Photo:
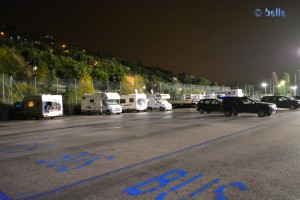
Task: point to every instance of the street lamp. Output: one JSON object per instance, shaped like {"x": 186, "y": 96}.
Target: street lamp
{"x": 34, "y": 68}
{"x": 265, "y": 86}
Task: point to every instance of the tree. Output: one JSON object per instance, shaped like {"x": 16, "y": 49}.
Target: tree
{"x": 85, "y": 85}
{"x": 286, "y": 84}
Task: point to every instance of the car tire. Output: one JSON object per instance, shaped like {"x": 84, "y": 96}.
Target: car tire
{"x": 292, "y": 107}
{"x": 235, "y": 113}
{"x": 262, "y": 113}
{"x": 228, "y": 113}
{"x": 201, "y": 111}
{"x": 161, "y": 108}
{"x": 107, "y": 112}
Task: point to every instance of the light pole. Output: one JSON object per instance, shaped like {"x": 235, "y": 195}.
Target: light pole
{"x": 34, "y": 68}
{"x": 265, "y": 86}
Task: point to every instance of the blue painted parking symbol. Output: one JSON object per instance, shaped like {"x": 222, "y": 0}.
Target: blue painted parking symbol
{"x": 25, "y": 147}
{"x": 72, "y": 161}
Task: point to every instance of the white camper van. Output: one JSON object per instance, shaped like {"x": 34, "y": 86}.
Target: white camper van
{"x": 101, "y": 102}
{"x": 137, "y": 102}
{"x": 41, "y": 106}
{"x": 159, "y": 101}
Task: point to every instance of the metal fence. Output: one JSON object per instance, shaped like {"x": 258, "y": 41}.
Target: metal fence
{"x": 13, "y": 90}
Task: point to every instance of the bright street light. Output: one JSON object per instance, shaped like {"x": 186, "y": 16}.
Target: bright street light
{"x": 265, "y": 86}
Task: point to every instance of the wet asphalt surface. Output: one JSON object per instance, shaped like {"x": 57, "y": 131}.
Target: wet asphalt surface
{"x": 152, "y": 155}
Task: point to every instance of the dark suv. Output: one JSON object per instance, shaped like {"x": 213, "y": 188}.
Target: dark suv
{"x": 209, "y": 105}
{"x": 236, "y": 105}
{"x": 282, "y": 101}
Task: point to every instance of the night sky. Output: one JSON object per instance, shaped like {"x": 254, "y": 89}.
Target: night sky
{"x": 221, "y": 40}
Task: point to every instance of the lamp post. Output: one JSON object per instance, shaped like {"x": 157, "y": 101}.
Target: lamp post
{"x": 34, "y": 68}
{"x": 265, "y": 86}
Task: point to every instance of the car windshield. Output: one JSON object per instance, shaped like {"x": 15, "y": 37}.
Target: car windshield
{"x": 112, "y": 102}
{"x": 289, "y": 98}
{"x": 255, "y": 100}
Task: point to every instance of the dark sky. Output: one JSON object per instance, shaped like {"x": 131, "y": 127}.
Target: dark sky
{"x": 221, "y": 40}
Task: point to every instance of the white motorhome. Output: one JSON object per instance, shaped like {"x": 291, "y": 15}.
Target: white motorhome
{"x": 101, "y": 102}
{"x": 41, "y": 106}
{"x": 159, "y": 101}
{"x": 134, "y": 102}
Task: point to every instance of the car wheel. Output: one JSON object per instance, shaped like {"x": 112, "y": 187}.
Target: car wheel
{"x": 201, "y": 111}
{"x": 228, "y": 113}
{"x": 194, "y": 105}
{"x": 235, "y": 113}
{"x": 261, "y": 113}
{"x": 107, "y": 112}
{"x": 161, "y": 108}
{"x": 292, "y": 107}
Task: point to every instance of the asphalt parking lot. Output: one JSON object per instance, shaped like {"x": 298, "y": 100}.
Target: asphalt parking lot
{"x": 152, "y": 155}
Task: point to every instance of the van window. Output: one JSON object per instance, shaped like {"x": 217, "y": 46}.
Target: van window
{"x": 123, "y": 101}
{"x": 131, "y": 100}
{"x": 91, "y": 100}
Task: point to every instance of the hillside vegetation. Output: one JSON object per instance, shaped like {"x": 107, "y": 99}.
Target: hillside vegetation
{"x": 25, "y": 55}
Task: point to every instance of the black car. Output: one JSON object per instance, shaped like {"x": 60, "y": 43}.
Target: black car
{"x": 236, "y": 105}
{"x": 282, "y": 101}
{"x": 209, "y": 105}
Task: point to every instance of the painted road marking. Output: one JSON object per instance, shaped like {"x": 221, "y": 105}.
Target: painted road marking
{"x": 3, "y": 196}
{"x": 177, "y": 175}
{"x": 25, "y": 147}
{"x": 72, "y": 161}
{"x": 135, "y": 165}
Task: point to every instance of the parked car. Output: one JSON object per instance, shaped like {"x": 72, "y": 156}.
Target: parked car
{"x": 209, "y": 105}
{"x": 296, "y": 97}
{"x": 282, "y": 101}
{"x": 236, "y": 105}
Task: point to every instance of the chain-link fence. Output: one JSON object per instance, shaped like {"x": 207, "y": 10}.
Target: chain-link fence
{"x": 72, "y": 89}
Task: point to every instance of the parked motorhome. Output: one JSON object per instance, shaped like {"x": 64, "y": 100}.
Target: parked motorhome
{"x": 40, "y": 106}
{"x": 101, "y": 102}
{"x": 159, "y": 101}
{"x": 134, "y": 102}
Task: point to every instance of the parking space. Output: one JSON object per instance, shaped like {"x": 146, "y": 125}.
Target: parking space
{"x": 152, "y": 155}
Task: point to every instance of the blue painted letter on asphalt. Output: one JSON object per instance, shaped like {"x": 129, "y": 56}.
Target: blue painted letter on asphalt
{"x": 163, "y": 180}
{"x": 219, "y": 191}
